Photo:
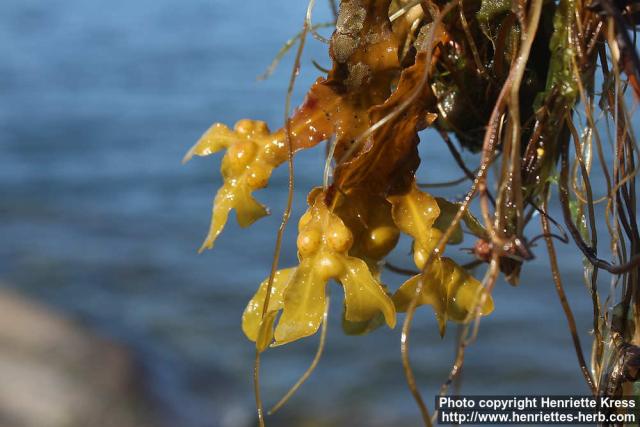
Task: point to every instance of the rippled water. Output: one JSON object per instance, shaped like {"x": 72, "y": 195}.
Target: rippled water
{"x": 99, "y": 101}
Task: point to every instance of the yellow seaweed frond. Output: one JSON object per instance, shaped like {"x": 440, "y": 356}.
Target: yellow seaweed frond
{"x": 415, "y": 214}
{"x": 252, "y": 316}
{"x": 252, "y": 152}
{"x": 323, "y": 245}
{"x": 449, "y": 289}
{"x": 369, "y": 218}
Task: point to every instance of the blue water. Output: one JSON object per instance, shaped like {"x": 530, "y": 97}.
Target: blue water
{"x": 98, "y": 103}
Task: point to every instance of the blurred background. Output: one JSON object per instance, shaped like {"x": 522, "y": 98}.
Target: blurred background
{"x": 108, "y": 317}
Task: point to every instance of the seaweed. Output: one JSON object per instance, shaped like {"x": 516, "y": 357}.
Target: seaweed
{"x": 516, "y": 84}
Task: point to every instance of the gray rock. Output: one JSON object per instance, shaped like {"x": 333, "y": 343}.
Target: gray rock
{"x": 54, "y": 373}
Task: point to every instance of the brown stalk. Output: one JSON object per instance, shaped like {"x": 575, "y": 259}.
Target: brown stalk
{"x": 555, "y": 272}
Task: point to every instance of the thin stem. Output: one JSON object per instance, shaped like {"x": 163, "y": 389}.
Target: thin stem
{"x": 285, "y": 215}
{"x": 472, "y": 43}
{"x": 404, "y": 339}
{"x": 311, "y": 368}
{"x": 587, "y": 250}
{"x": 404, "y": 9}
{"x": 400, "y": 270}
{"x": 286, "y": 48}
{"x": 309, "y": 24}
{"x": 555, "y": 272}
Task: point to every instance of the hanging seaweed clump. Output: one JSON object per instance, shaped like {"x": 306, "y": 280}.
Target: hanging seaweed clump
{"x": 522, "y": 84}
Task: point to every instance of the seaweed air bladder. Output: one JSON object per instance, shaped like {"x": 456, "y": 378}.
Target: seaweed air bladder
{"x": 541, "y": 92}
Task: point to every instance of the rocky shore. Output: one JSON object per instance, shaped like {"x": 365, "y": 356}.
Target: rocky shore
{"x": 55, "y": 373}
